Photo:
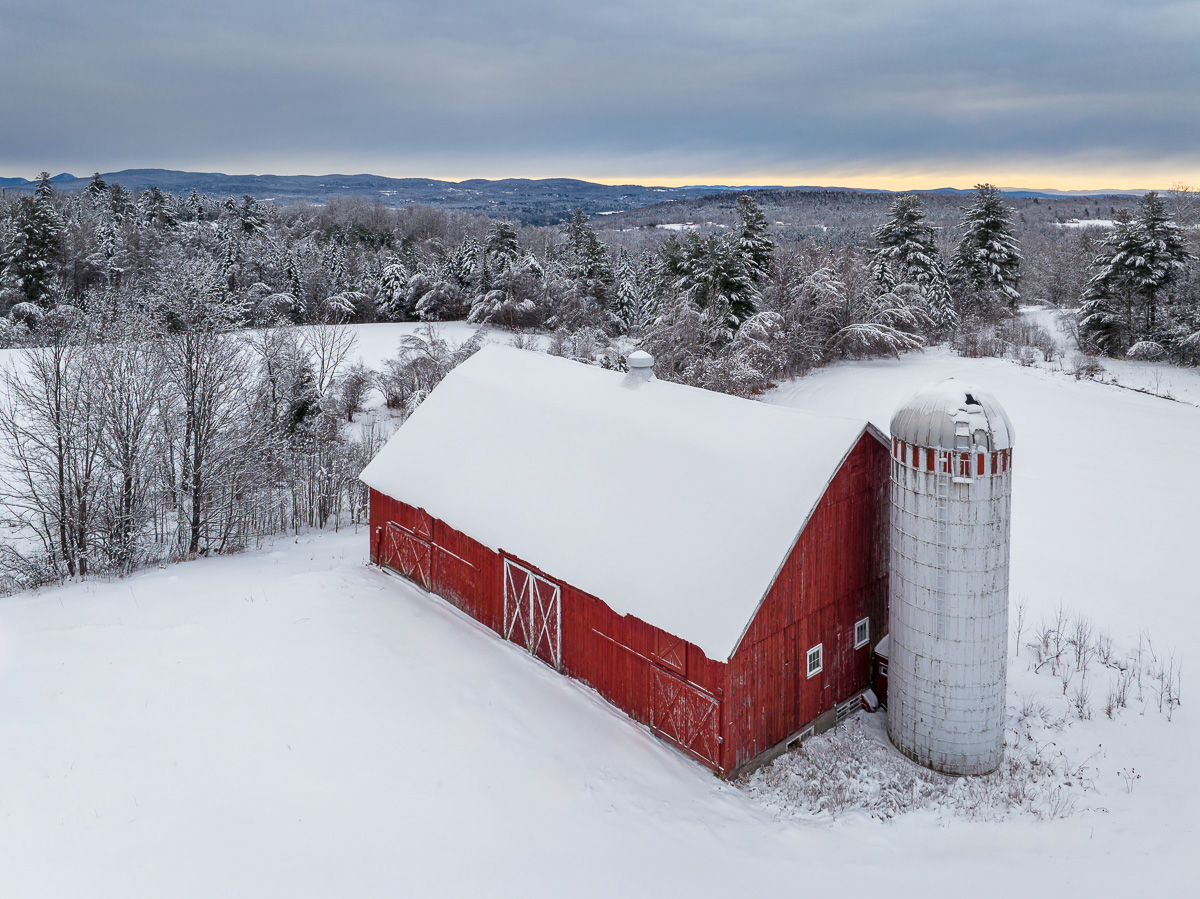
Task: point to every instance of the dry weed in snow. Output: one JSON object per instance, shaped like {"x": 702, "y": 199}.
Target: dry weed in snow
{"x": 854, "y": 768}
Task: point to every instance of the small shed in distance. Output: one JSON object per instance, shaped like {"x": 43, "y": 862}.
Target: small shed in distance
{"x": 715, "y": 567}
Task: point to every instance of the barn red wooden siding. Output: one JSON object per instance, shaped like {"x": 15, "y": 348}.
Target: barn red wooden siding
{"x": 665, "y": 683}
{"x": 721, "y": 714}
{"x": 835, "y": 575}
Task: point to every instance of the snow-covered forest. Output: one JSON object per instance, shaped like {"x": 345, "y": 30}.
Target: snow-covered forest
{"x": 181, "y": 377}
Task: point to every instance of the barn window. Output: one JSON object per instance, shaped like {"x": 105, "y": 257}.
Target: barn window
{"x": 862, "y": 633}
{"x": 964, "y": 467}
{"x": 815, "y": 663}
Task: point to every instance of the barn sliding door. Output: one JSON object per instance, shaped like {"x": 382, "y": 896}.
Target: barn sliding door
{"x": 533, "y": 613}
{"x": 686, "y": 715}
{"x": 408, "y": 553}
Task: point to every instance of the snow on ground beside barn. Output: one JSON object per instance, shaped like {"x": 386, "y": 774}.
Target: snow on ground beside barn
{"x": 1104, "y": 482}
{"x": 1105, "y": 495}
{"x": 293, "y": 722}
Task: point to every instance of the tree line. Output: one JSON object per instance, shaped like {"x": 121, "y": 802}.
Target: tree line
{"x": 182, "y": 381}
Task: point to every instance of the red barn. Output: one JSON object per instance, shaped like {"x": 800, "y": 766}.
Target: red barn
{"x": 715, "y": 567}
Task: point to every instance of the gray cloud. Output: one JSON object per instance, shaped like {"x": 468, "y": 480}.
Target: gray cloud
{"x": 656, "y": 88}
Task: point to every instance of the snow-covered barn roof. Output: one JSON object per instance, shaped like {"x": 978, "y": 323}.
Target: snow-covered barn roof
{"x": 670, "y": 503}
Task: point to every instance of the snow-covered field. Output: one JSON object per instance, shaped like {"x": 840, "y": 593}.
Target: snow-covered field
{"x": 295, "y": 723}
{"x": 1157, "y": 378}
{"x": 375, "y": 343}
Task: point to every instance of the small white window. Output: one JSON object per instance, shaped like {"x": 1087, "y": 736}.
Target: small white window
{"x": 862, "y": 633}
{"x": 815, "y": 663}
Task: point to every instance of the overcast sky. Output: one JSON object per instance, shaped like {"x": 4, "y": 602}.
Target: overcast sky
{"x": 885, "y": 93}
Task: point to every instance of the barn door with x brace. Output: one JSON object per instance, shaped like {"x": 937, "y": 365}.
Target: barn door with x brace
{"x": 408, "y": 553}
{"x": 533, "y": 613}
{"x": 685, "y": 714}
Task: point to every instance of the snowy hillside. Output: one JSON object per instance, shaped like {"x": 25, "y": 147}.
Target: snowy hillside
{"x": 295, "y": 723}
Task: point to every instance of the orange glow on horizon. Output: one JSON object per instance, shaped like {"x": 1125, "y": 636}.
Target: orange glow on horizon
{"x": 1064, "y": 174}
{"x": 1064, "y": 177}
{"x": 889, "y": 181}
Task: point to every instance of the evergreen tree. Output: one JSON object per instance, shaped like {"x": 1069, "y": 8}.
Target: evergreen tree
{"x": 882, "y": 272}
{"x": 96, "y": 189}
{"x": 105, "y": 257}
{"x": 631, "y": 296}
{"x": 987, "y": 258}
{"x": 941, "y": 306}
{"x": 906, "y": 253}
{"x": 501, "y": 246}
{"x": 120, "y": 202}
{"x": 247, "y": 214}
{"x": 303, "y": 401}
{"x": 35, "y": 245}
{"x": 905, "y": 243}
{"x": 754, "y": 246}
{"x": 154, "y": 207}
{"x": 714, "y": 279}
{"x": 194, "y": 206}
{"x": 462, "y": 264}
{"x": 1139, "y": 260}
{"x": 45, "y": 188}
{"x": 392, "y": 301}
{"x": 586, "y": 259}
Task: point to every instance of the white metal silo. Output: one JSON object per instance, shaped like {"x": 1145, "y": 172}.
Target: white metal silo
{"x": 948, "y": 578}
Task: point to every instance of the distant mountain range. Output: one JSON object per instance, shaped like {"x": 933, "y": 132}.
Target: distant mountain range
{"x": 541, "y": 201}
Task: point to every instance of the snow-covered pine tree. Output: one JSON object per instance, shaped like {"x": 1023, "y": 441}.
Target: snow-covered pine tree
{"x": 247, "y": 214}
{"x": 502, "y": 247}
{"x": 585, "y": 254}
{"x": 45, "y": 188}
{"x": 882, "y": 272}
{"x": 392, "y": 299}
{"x": 1140, "y": 258}
{"x": 905, "y": 244}
{"x": 854, "y": 318}
{"x": 987, "y": 257}
{"x": 97, "y": 189}
{"x": 940, "y": 300}
{"x": 120, "y": 202}
{"x": 756, "y": 249}
{"x": 631, "y": 298}
{"x": 462, "y": 263}
{"x": 193, "y": 206}
{"x": 906, "y": 253}
{"x": 711, "y": 276}
{"x": 154, "y": 207}
{"x": 585, "y": 261}
{"x": 35, "y": 243}
{"x": 105, "y": 257}
{"x": 440, "y": 300}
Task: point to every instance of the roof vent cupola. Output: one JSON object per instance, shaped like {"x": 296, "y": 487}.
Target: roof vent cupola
{"x": 641, "y": 368}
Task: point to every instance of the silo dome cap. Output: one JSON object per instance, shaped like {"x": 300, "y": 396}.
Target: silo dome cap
{"x": 934, "y": 416}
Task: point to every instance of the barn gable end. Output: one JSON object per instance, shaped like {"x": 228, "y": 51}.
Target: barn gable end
{"x": 834, "y": 576}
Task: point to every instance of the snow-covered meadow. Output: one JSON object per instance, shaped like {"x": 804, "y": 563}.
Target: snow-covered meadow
{"x": 294, "y": 722}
